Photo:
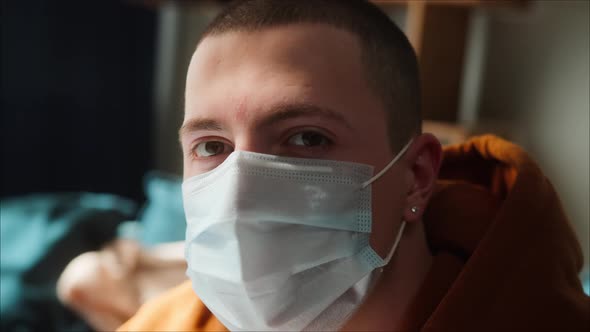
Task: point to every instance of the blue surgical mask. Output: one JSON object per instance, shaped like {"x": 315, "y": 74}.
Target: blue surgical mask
{"x": 282, "y": 244}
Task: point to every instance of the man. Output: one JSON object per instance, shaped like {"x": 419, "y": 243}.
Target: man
{"x": 308, "y": 187}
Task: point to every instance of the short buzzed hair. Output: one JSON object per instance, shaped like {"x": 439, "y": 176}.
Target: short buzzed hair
{"x": 388, "y": 58}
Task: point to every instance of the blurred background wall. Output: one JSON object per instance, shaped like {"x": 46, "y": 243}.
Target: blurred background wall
{"x": 77, "y": 86}
{"x": 535, "y": 89}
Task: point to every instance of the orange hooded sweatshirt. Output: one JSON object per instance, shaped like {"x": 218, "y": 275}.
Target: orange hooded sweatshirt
{"x": 505, "y": 256}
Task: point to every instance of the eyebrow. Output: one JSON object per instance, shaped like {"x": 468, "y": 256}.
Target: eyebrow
{"x": 282, "y": 112}
{"x": 199, "y": 124}
{"x": 277, "y": 113}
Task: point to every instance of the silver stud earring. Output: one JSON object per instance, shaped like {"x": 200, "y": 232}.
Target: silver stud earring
{"x": 414, "y": 209}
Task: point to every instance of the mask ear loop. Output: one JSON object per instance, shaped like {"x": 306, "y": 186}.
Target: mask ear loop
{"x": 386, "y": 168}
{"x": 396, "y": 243}
{"x": 371, "y": 180}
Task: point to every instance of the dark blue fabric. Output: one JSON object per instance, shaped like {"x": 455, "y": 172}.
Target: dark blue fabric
{"x": 40, "y": 234}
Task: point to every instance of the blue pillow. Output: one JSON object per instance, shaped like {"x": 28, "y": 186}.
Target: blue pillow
{"x": 162, "y": 217}
{"x": 585, "y": 277}
{"x": 39, "y": 235}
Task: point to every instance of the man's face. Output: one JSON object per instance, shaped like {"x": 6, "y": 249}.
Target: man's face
{"x": 297, "y": 91}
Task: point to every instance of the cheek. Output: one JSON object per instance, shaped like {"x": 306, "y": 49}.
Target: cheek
{"x": 388, "y": 197}
{"x": 186, "y": 171}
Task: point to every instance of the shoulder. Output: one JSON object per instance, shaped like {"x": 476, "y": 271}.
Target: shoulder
{"x": 179, "y": 309}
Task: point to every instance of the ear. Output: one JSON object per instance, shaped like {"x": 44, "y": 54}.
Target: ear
{"x": 423, "y": 160}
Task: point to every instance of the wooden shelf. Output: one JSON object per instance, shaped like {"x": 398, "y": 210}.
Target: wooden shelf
{"x": 438, "y": 31}
{"x": 460, "y": 3}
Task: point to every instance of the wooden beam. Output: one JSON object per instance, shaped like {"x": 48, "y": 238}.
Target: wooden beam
{"x": 438, "y": 34}
{"x": 460, "y": 3}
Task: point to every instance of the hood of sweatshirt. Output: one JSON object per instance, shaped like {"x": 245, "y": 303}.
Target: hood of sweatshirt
{"x": 506, "y": 257}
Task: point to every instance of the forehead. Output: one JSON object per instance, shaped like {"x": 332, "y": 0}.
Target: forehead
{"x": 319, "y": 48}
{"x": 245, "y": 72}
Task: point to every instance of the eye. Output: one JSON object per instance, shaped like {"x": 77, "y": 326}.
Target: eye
{"x": 211, "y": 149}
{"x": 309, "y": 139}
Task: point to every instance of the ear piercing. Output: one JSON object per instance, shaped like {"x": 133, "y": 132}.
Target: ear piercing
{"x": 414, "y": 209}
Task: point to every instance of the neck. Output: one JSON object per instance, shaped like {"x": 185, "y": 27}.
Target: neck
{"x": 399, "y": 283}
